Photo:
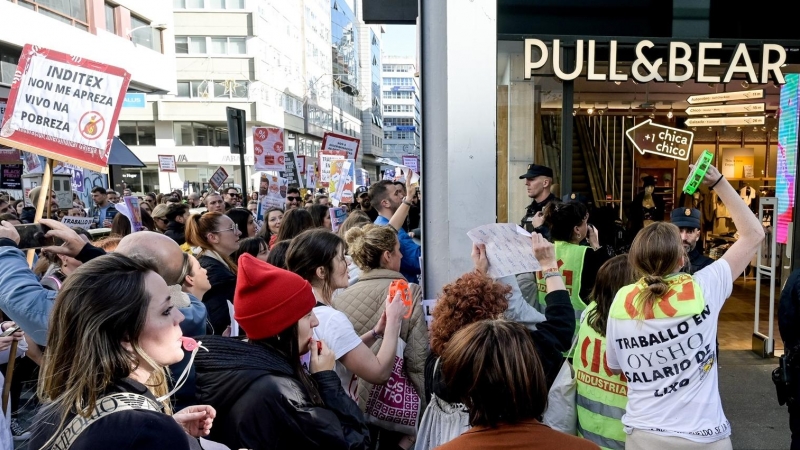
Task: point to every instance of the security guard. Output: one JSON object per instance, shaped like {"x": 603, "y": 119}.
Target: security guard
{"x": 538, "y": 181}
{"x": 688, "y": 220}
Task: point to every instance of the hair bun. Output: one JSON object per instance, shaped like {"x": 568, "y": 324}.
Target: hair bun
{"x": 653, "y": 279}
{"x": 353, "y": 235}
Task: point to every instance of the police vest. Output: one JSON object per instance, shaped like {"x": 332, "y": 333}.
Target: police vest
{"x": 602, "y": 396}
{"x": 570, "y": 264}
{"x": 684, "y": 298}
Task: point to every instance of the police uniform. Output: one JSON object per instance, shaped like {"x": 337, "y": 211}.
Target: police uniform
{"x": 690, "y": 218}
{"x": 535, "y": 170}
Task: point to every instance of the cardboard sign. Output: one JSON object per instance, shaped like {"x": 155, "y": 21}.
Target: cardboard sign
{"x": 326, "y": 157}
{"x": 292, "y": 173}
{"x": 64, "y": 107}
{"x": 8, "y": 155}
{"x": 276, "y": 189}
{"x": 167, "y": 163}
{"x": 77, "y": 222}
{"x": 11, "y": 176}
{"x": 218, "y": 178}
{"x": 311, "y": 176}
{"x": 337, "y": 218}
{"x": 268, "y": 149}
{"x": 338, "y": 142}
{"x": 135, "y": 213}
{"x": 412, "y": 162}
{"x": 342, "y": 186}
{"x": 301, "y": 163}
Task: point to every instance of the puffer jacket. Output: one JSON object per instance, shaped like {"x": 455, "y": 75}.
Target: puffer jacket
{"x": 262, "y": 405}
{"x": 363, "y": 303}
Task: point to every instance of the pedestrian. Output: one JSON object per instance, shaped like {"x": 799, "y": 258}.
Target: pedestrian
{"x": 388, "y": 200}
{"x": 320, "y": 216}
{"x": 218, "y": 238}
{"x": 215, "y": 203}
{"x": 294, "y": 222}
{"x": 11, "y": 430}
{"x": 103, "y": 211}
{"x": 177, "y": 214}
{"x": 674, "y": 400}
{"x": 265, "y": 397}
{"x": 493, "y": 367}
{"x": 272, "y": 223}
{"x": 292, "y": 198}
{"x": 159, "y": 216}
{"x": 118, "y": 312}
{"x": 538, "y": 183}
{"x": 277, "y": 254}
{"x": 244, "y": 221}
{"x": 255, "y": 246}
{"x": 688, "y": 222}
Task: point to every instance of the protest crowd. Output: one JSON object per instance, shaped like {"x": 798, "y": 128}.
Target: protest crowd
{"x": 208, "y": 320}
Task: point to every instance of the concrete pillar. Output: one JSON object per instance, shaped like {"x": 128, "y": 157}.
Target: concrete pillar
{"x": 459, "y": 58}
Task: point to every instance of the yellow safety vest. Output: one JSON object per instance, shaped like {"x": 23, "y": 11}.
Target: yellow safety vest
{"x": 684, "y": 298}
{"x": 570, "y": 264}
{"x": 602, "y": 396}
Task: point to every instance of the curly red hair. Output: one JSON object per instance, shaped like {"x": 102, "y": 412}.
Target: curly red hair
{"x": 471, "y": 298}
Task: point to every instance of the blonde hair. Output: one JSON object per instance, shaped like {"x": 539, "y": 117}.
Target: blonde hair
{"x": 160, "y": 211}
{"x": 655, "y": 253}
{"x": 367, "y": 244}
{"x": 356, "y": 219}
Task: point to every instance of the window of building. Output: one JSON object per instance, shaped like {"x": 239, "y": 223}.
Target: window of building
{"x": 143, "y": 34}
{"x": 396, "y": 81}
{"x": 395, "y": 121}
{"x": 398, "y": 108}
{"x": 208, "y": 4}
{"x": 200, "y": 134}
{"x": 213, "y": 89}
{"x": 9, "y": 58}
{"x": 137, "y": 133}
{"x": 72, "y": 12}
{"x": 111, "y": 25}
{"x": 403, "y": 95}
{"x": 201, "y": 45}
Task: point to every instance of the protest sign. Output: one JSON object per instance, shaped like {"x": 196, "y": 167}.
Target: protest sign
{"x": 219, "y": 177}
{"x": 166, "y": 163}
{"x": 388, "y": 174}
{"x": 338, "y": 142}
{"x": 300, "y": 161}
{"x": 64, "y": 107}
{"x": 11, "y": 176}
{"x": 135, "y": 213}
{"x": 311, "y": 176}
{"x": 427, "y": 309}
{"x": 292, "y": 173}
{"x": 412, "y": 162}
{"x": 325, "y": 159}
{"x": 275, "y": 188}
{"x": 77, "y": 222}
{"x": 268, "y": 149}
{"x": 8, "y": 155}
{"x": 362, "y": 177}
{"x": 337, "y": 218}
{"x": 508, "y": 248}
{"x": 342, "y": 177}
{"x": 32, "y": 163}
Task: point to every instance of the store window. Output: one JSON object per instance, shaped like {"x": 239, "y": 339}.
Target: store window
{"x": 145, "y": 35}
{"x": 72, "y": 12}
{"x": 111, "y": 25}
{"x": 137, "y": 133}
{"x": 9, "y": 58}
{"x": 188, "y": 134}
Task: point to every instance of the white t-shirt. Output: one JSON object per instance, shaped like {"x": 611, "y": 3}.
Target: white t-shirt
{"x": 340, "y": 336}
{"x": 671, "y": 366}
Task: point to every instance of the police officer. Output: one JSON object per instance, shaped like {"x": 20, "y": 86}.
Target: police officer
{"x": 688, "y": 220}
{"x": 788, "y": 318}
{"x": 538, "y": 181}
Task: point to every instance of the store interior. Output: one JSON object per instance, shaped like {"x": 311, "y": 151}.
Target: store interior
{"x": 609, "y": 172}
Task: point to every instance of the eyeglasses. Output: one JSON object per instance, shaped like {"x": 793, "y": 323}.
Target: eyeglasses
{"x": 233, "y": 229}
{"x": 293, "y": 199}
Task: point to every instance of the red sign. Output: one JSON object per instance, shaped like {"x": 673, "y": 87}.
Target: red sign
{"x": 338, "y": 142}
{"x": 64, "y": 107}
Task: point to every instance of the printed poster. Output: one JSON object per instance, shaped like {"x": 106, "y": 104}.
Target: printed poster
{"x": 292, "y": 172}
{"x": 219, "y": 177}
{"x": 78, "y": 222}
{"x": 272, "y": 192}
{"x": 8, "y": 155}
{"x": 342, "y": 185}
{"x": 11, "y": 176}
{"x": 412, "y": 162}
{"x": 166, "y": 163}
{"x": 135, "y": 213}
{"x": 268, "y": 149}
{"x": 337, "y": 218}
{"x": 64, "y": 107}
{"x": 339, "y": 142}
{"x": 311, "y": 176}
{"x": 326, "y": 157}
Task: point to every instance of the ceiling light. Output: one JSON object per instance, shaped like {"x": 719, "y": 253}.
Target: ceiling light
{"x": 774, "y": 128}
{"x": 694, "y": 128}
{"x": 679, "y": 84}
{"x": 652, "y": 115}
{"x": 617, "y": 83}
{"x": 574, "y": 112}
{"x": 745, "y": 84}
{"x": 590, "y": 110}
{"x": 763, "y": 128}
{"x": 601, "y": 111}
{"x": 669, "y": 113}
{"x": 738, "y": 128}
{"x": 755, "y": 129}
{"x": 709, "y": 128}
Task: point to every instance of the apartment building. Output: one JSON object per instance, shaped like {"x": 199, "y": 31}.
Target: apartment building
{"x": 401, "y": 108}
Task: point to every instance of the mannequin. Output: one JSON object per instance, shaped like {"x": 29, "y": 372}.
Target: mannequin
{"x": 646, "y": 208}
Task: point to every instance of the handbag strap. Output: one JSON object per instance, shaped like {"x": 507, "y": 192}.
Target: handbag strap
{"x": 103, "y": 407}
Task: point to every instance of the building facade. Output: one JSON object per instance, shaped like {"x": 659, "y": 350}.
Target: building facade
{"x": 400, "y": 94}
{"x": 372, "y": 104}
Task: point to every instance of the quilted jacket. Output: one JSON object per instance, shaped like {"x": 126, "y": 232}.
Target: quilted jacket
{"x": 364, "y": 302}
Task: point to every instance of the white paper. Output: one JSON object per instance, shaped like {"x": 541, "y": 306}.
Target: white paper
{"x": 508, "y": 248}
{"x": 427, "y": 309}
{"x": 77, "y": 222}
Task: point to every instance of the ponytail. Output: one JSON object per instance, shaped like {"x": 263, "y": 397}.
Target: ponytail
{"x": 198, "y": 227}
{"x": 655, "y": 253}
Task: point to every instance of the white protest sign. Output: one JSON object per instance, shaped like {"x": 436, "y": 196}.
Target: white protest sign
{"x": 338, "y": 142}
{"x": 64, "y": 107}
{"x": 77, "y": 222}
{"x": 508, "y": 248}
{"x": 412, "y": 162}
{"x": 166, "y": 163}
{"x": 219, "y": 177}
{"x": 427, "y": 309}
{"x": 325, "y": 159}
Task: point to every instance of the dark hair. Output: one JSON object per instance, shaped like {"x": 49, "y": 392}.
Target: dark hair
{"x": 286, "y": 343}
{"x": 277, "y": 254}
{"x": 8, "y": 216}
{"x": 265, "y": 231}
{"x": 378, "y": 192}
{"x": 120, "y": 226}
{"x": 562, "y": 218}
{"x": 319, "y": 197}
{"x": 251, "y": 245}
{"x": 240, "y": 216}
{"x": 493, "y": 367}
{"x": 295, "y": 221}
{"x": 613, "y": 275}
{"x": 318, "y": 213}
{"x": 312, "y": 249}
{"x": 174, "y": 210}
{"x": 99, "y": 189}
{"x": 293, "y": 190}
{"x": 147, "y": 219}
{"x": 655, "y": 253}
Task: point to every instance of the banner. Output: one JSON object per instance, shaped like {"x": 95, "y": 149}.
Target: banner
{"x": 268, "y": 149}
{"x": 337, "y": 218}
{"x": 275, "y": 189}
{"x": 8, "y": 155}
{"x": 326, "y": 157}
{"x": 166, "y": 163}
{"x": 77, "y": 222}
{"x": 64, "y": 107}
{"x": 219, "y": 177}
{"x": 338, "y": 142}
{"x": 11, "y": 176}
{"x": 342, "y": 177}
{"x": 412, "y": 162}
{"x": 292, "y": 173}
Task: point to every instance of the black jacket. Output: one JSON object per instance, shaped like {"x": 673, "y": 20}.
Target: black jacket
{"x": 551, "y": 338}
{"x": 261, "y": 405}
{"x": 176, "y": 231}
{"x": 125, "y": 430}
{"x": 697, "y": 261}
{"x": 531, "y": 211}
{"x": 223, "y": 286}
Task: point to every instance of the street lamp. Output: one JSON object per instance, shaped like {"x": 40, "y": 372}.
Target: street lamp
{"x": 157, "y": 26}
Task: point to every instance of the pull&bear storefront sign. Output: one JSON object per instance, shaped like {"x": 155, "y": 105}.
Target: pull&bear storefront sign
{"x": 684, "y": 62}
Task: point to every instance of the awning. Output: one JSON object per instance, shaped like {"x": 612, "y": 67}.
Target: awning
{"x": 121, "y": 155}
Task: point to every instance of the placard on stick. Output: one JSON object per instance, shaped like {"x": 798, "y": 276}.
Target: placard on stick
{"x": 64, "y": 107}
{"x": 219, "y": 177}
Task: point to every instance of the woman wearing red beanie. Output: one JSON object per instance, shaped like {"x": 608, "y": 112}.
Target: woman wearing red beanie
{"x": 318, "y": 256}
{"x": 263, "y": 395}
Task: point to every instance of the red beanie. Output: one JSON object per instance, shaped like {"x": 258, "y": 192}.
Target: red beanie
{"x": 269, "y": 300}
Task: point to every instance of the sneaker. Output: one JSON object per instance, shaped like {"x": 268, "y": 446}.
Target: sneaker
{"x": 19, "y": 433}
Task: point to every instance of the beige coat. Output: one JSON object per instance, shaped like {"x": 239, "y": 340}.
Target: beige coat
{"x": 364, "y": 302}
